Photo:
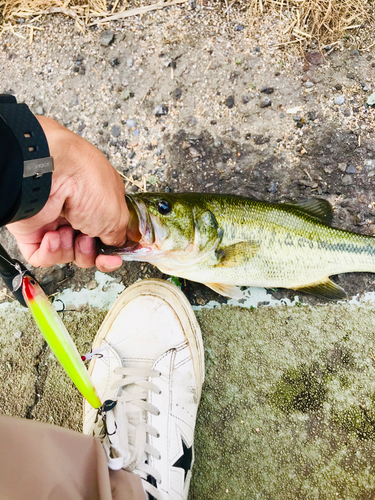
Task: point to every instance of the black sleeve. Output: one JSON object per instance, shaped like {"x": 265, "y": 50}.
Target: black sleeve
{"x": 11, "y": 173}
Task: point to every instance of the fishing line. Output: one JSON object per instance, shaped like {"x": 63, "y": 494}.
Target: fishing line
{"x": 98, "y": 352}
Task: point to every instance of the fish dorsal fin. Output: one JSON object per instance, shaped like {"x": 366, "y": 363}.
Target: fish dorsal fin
{"x": 237, "y": 254}
{"x": 320, "y": 209}
{"x": 231, "y": 291}
{"x": 327, "y": 289}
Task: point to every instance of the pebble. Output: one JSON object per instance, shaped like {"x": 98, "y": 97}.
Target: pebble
{"x": 106, "y": 38}
{"x": 229, "y": 101}
{"x": 115, "y": 131}
{"x": 267, "y": 90}
{"x": 350, "y": 76}
{"x": 176, "y": 94}
{"x": 339, "y": 100}
{"x": 191, "y": 121}
{"x": 245, "y": 99}
{"x": 355, "y": 52}
{"x": 115, "y": 62}
{"x": 91, "y": 285}
{"x": 131, "y": 155}
{"x": 338, "y": 86}
{"x": 351, "y": 169}
{"x": 347, "y": 179}
{"x": 273, "y": 187}
{"x": 260, "y": 139}
{"x": 265, "y": 102}
{"x": 369, "y": 165}
{"x": 39, "y": 110}
{"x": 160, "y": 110}
{"x": 18, "y": 334}
{"x": 129, "y": 62}
{"x": 81, "y": 127}
{"x": 309, "y": 84}
{"x": 239, "y": 27}
{"x": 131, "y": 123}
{"x": 311, "y": 115}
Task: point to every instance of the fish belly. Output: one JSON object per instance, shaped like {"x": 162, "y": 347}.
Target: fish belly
{"x": 285, "y": 258}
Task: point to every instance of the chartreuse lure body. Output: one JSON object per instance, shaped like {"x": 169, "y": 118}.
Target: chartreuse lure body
{"x": 58, "y": 339}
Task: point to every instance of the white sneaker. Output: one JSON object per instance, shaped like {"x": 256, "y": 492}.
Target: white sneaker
{"x": 150, "y": 377}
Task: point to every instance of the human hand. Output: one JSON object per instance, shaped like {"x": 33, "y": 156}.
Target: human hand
{"x": 87, "y": 200}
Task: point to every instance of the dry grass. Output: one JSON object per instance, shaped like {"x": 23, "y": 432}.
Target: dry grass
{"x": 324, "y": 20}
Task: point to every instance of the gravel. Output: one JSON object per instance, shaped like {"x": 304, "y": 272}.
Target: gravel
{"x": 107, "y": 38}
{"x": 229, "y": 102}
{"x": 131, "y": 123}
{"x": 115, "y": 131}
{"x": 340, "y": 100}
{"x": 160, "y": 110}
{"x": 265, "y": 102}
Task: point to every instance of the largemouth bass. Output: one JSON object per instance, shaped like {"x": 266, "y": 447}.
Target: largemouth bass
{"x": 228, "y": 241}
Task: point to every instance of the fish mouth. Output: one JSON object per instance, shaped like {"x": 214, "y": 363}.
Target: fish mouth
{"x": 140, "y": 231}
{"x": 140, "y": 226}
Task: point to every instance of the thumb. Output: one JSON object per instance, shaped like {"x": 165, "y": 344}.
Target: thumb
{"x": 115, "y": 234}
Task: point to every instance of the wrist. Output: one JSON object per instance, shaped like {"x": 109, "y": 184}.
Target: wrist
{"x": 62, "y": 146}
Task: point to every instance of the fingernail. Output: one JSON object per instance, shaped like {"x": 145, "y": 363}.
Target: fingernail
{"x": 86, "y": 244}
{"x": 109, "y": 269}
{"x": 54, "y": 243}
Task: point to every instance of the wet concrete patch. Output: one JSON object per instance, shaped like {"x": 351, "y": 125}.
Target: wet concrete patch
{"x": 288, "y": 404}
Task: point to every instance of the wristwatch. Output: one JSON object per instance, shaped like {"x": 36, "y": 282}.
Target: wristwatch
{"x": 37, "y": 162}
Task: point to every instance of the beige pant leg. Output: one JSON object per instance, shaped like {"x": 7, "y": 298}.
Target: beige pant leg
{"x": 45, "y": 462}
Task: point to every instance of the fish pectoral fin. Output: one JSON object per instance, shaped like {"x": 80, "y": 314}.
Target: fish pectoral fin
{"x": 231, "y": 291}
{"x": 327, "y": 289}
{"x": 237, "y": 254}
{"x": 320, "y": 209}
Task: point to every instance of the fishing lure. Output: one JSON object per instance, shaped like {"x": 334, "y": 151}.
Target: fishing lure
{"x": 58, "y": 339}
{"x": 29, "y": 293}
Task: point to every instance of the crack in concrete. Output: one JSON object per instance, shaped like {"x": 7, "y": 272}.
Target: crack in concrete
{"x": 42, "y": 372}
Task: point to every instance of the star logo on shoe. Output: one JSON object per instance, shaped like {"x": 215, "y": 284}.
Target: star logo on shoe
{"x": 186, "y": 459}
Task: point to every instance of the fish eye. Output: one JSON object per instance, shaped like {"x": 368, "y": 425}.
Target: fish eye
{"x": 164, "y": 207}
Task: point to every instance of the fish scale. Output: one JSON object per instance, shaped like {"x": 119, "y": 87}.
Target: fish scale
{"x": 246, "y": 242}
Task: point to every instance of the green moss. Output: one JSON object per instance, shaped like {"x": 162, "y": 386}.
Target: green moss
{"x": 300, "y": 389}
{"x": 358, "y": 420}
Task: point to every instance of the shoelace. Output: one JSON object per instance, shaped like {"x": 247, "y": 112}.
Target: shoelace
{"x": 132, "y": 429}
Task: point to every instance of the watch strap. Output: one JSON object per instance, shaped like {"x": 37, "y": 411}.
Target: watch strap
{"x": 38, "y": 165}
